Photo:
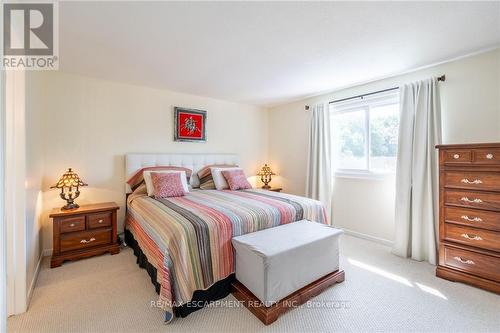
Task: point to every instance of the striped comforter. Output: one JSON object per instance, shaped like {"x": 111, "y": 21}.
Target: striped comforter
{"x": 188, "y": 239}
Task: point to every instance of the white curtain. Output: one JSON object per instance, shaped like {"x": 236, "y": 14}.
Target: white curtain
{"x": 319, "y": 165}
{"x": 417, "y": 198}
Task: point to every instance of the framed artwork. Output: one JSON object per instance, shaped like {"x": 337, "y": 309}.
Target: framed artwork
{"x": 190, "y": 125}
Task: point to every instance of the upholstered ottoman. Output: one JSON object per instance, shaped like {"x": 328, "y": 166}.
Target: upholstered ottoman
{"x": 285, "y": 266}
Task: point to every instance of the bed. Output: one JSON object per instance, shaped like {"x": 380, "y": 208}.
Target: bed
{"x": 185, "y": 242}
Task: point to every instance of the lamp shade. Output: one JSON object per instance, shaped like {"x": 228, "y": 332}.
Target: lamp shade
{"x": 266, "y": 171}
{"x": 69, "y": 179}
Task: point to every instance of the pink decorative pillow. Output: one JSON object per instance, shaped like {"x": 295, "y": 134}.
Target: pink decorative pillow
{"x": 205, "y": 176}
{"x": 138, "y": 178}
{"x": 167, "y": 185}
{"x": 236, "y": 179}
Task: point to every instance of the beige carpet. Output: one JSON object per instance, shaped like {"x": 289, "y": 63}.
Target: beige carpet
{"x": 381, "y": 293}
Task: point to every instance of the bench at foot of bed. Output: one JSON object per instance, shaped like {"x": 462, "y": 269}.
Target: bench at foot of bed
{"x": 283, "y": 267}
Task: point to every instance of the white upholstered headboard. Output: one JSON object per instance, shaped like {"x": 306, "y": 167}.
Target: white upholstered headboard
{"x": 135, "y": 162}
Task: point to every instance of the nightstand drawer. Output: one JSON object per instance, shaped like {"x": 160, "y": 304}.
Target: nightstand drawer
{"x": 84, "y": 239}
{"x": 99, "y": 220}
{"x": 72, "y": 224}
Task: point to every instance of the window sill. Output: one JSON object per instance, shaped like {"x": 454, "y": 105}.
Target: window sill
{"x": 364, "y": 175}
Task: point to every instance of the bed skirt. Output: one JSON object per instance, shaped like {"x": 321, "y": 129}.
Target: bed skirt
{"x": 201, "y": 298}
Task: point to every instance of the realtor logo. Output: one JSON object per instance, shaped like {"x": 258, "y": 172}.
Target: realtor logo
{"x": 30, "y": 36}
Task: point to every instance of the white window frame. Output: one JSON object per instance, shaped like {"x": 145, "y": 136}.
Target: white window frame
{"x": 364, "y": 103}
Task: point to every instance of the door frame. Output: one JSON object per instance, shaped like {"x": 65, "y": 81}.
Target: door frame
{"x": 15, "y": 193}
{"x": 3, "y": 228}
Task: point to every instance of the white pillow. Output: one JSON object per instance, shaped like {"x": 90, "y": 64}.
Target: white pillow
{"x": 149, "y": 182}
{"x": 219, "y": 180}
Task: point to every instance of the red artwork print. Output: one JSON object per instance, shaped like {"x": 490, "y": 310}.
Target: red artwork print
{"x": 190, "y": 125}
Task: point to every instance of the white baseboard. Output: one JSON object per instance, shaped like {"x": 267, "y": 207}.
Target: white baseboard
{"x": 47, "y": 252}
{"x": 368, "y": 237}
{"x": 33, "y": 281}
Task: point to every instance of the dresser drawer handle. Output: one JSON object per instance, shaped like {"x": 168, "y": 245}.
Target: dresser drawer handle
{"x": 471, "y": 237}
{"x": 84, "y": 241}
{"x": 456, "y": 156}
{"x": 464, "y": 261}
{"x": 473, "y": 200}
{"x": 72, "y": 225}
{"x": 100, "y": 221}
{"x": 474, "y": 219}
{"x": 475, "y": 181}
{"x": 489, "y": 156}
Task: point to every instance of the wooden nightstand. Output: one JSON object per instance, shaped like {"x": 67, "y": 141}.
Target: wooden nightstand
{"x": 274, "y": 189}
{"x": 84, "y": 232}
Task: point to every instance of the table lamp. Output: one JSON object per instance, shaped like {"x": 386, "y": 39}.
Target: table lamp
{"x": 69, "y": 183}
{"x": 265, "y": 176}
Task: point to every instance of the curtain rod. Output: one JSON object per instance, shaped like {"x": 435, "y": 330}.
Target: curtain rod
{"x": 440, "y": 78}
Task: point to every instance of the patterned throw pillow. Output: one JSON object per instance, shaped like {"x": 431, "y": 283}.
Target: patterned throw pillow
{"x": 167, "y": 185}
{"x": 205, "y": 176}
{"x": 149, "y": 182}
{"x": 138, "y": 178}
{"x": 236, "y": 179}
{"x": 219, "y": 180}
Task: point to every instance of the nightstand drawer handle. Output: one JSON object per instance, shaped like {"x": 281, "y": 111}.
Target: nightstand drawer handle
{"x": 474, "y": 219}
{"x": 471, "y": 237}
{"x": 489, "y": 156}
{"x": 100, "y": 221}
{"x": 464, "y": 261}
{"x": 84, "y": 241}
{"x": 456, "y": 156}
{"x": 72, "y": 225}
{"x": 475, "y": 181}
{"x": 473, "y": 200}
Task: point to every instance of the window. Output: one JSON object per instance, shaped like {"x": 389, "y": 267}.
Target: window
{"x": 365, "y": 134}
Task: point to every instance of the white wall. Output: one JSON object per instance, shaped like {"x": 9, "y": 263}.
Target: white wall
{"x": 470, "y": 113}
{"x": 91, "y": 124}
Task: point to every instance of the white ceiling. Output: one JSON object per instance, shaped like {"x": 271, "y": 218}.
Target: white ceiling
{"x": 266, "y": 53}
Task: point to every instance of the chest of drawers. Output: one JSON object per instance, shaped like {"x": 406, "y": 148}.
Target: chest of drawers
{"x": 469, "y": 214}
{"x": 84, "y": 232}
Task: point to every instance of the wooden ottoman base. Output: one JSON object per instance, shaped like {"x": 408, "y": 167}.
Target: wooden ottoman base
{"x": 270, "y": 314}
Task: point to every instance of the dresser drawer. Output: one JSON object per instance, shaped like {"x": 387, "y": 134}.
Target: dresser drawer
{"x": 472, "y": 262}
{"x": 457, "y": 156}
{"x": 489, "y": 181}
{"x": 487, "y": 156}
{"x": 484, "y": 239}
{"x": 472, "y": 217}
{"x": 72, "y": 224}
{"x": 481, "y": 200}
{"x": 85, "y": 239}
{"x": 99, "y": 220}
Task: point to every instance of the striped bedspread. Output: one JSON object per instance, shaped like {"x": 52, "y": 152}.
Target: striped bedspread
{"x": 188, "y": 239}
